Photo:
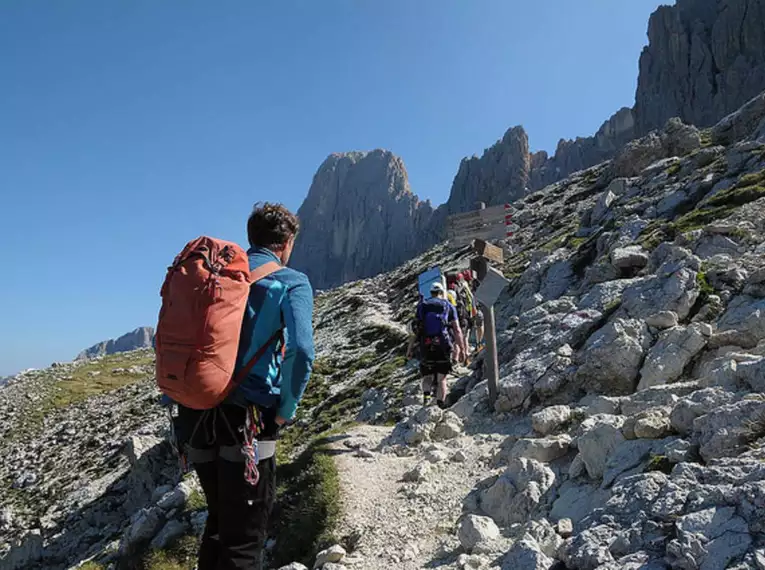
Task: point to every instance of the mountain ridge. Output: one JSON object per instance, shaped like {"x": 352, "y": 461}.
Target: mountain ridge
{"x": 675, "y": 79}
{"x": 141, "y": 337}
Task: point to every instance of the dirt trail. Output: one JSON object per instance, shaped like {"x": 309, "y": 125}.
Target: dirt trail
{"x": 401, "y": 524}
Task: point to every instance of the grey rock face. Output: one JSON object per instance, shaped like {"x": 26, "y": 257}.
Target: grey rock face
{"x": 601, "y": 435}
{"x": 612, "y": 357}
{"x": 668, "y": 357}
{"x": 703, "y": 60}
{"x": 517, "y": 492}
{"x": 142, "y": 337}
{"x": 676, "y": 139}
{"x": 500, "y": 175}
{"x": 355, "y": 199}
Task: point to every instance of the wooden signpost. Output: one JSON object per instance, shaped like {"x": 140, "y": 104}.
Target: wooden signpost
{"x": 477, "y": 227}
{"x": 483, "y": 223}
{"x": 492, "y": 285}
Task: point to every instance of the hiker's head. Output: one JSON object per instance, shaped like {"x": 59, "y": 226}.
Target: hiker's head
{"x": 437, "y": 290}
{"x": 274, "y": 227}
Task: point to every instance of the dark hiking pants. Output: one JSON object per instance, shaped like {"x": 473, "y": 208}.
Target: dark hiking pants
{"x": 238, "y": 512}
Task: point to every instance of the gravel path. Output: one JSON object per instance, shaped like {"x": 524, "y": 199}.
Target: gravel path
{"x": 404, "y": 525}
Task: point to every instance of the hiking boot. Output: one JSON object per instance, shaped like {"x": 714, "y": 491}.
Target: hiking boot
{"x": 441, "y": 404}
{"x": 425, "y": 398}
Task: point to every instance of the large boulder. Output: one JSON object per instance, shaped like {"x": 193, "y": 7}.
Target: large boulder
{"x": 669, "y": 357}
{"x": 630, "y": 257}
{"x": 696, "y": 405}
{"x": 611, "y": 358}
{"x": 517, "y": 493}
{"x": 726, "y": 430}
{"x": 526, "y": 554}
{"x": 475, "y": 530}
{"x": 600, "y": 436}
{"x": 745, "y": 316}
{"x": 544, "y": 449}
{"x": 638, "y": 155}
{"x": 673, "y": 289}
{"x": 550, "y": 419}
{"x": 709, "y": 538}
{"x": 531, "y": 374}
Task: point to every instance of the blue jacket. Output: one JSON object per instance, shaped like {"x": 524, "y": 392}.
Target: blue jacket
{"x": 284, "y": 297}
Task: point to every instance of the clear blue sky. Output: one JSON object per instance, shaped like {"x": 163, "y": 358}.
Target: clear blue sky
{"x": 128, "y": 127}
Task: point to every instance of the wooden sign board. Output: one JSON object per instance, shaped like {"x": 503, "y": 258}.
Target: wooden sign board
{"x": 491, "y": 287}
{"x": 462, "y": 239}
{"x": 486, "y": 215}
{"x": 488, "y": 251}
{"x": 475, "y": 226}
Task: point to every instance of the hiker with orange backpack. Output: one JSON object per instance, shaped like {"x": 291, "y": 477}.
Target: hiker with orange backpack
{"x": 234, "y": 351}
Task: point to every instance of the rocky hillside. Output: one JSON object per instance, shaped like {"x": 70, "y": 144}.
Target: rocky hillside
{"x": 142, "y": 337}
{"x": 629, "y": 431}
{"x": 704, "y": 60}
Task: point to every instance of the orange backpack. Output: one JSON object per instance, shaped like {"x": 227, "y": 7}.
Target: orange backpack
{"x": 203, "y": 302}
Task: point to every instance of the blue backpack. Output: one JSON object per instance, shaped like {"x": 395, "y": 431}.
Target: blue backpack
{"x": 433, "y": 315}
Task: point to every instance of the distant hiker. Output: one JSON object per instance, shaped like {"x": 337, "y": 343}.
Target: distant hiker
{"x": 413, "y": 348}
{"x": 451, "y": 295}
{"x": 463, "y": 305}
{"x": 232, "y": 443}
{"x": 478, "y": 322}
{"x": 438, "y": 330}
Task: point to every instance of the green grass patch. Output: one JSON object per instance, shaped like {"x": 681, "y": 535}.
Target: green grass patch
{"x": 576, "y": 242}
{"x": 180, "y": 555}
{"x": 659, "y": 463}
{"x": 749, "y": 188}
{"x": 703, "y": 283}
{"x": 366, "y": 360}
{"x": 196, "y": 502}
{"x": 382, "y": 338}
{"x": 62, "y": 387}
{"x": 91, "y": 566}
{"x": 100, "y": 376}
{"x": 674, "y": 169}
{"x": 555, "y": 243}
{"x": 308, "y": 505}
{"x": 706, "y": 138}
{"x": 324, "y": 367}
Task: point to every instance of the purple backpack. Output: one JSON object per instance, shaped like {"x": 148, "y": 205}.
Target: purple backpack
{"x": 433, "y": 314}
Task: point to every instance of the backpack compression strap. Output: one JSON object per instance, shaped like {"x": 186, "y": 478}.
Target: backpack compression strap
{"x": 256, "y": 275}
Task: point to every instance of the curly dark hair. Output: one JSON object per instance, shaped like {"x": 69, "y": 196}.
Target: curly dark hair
{"x": 271, "y": 225}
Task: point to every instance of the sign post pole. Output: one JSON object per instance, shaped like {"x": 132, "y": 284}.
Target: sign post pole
{"x": 492, "y": 285}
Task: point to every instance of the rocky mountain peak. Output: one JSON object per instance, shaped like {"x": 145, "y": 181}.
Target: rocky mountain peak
{"x": 500, "y": 175}
{"x": 142, "y": 337}
{"x": 354, "y": 199}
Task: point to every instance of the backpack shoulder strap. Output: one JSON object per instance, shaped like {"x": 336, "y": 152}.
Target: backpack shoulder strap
{"x": 264, "y": 271}
{"x": 256, "y": 275}
{"x": 445, "y": 313}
